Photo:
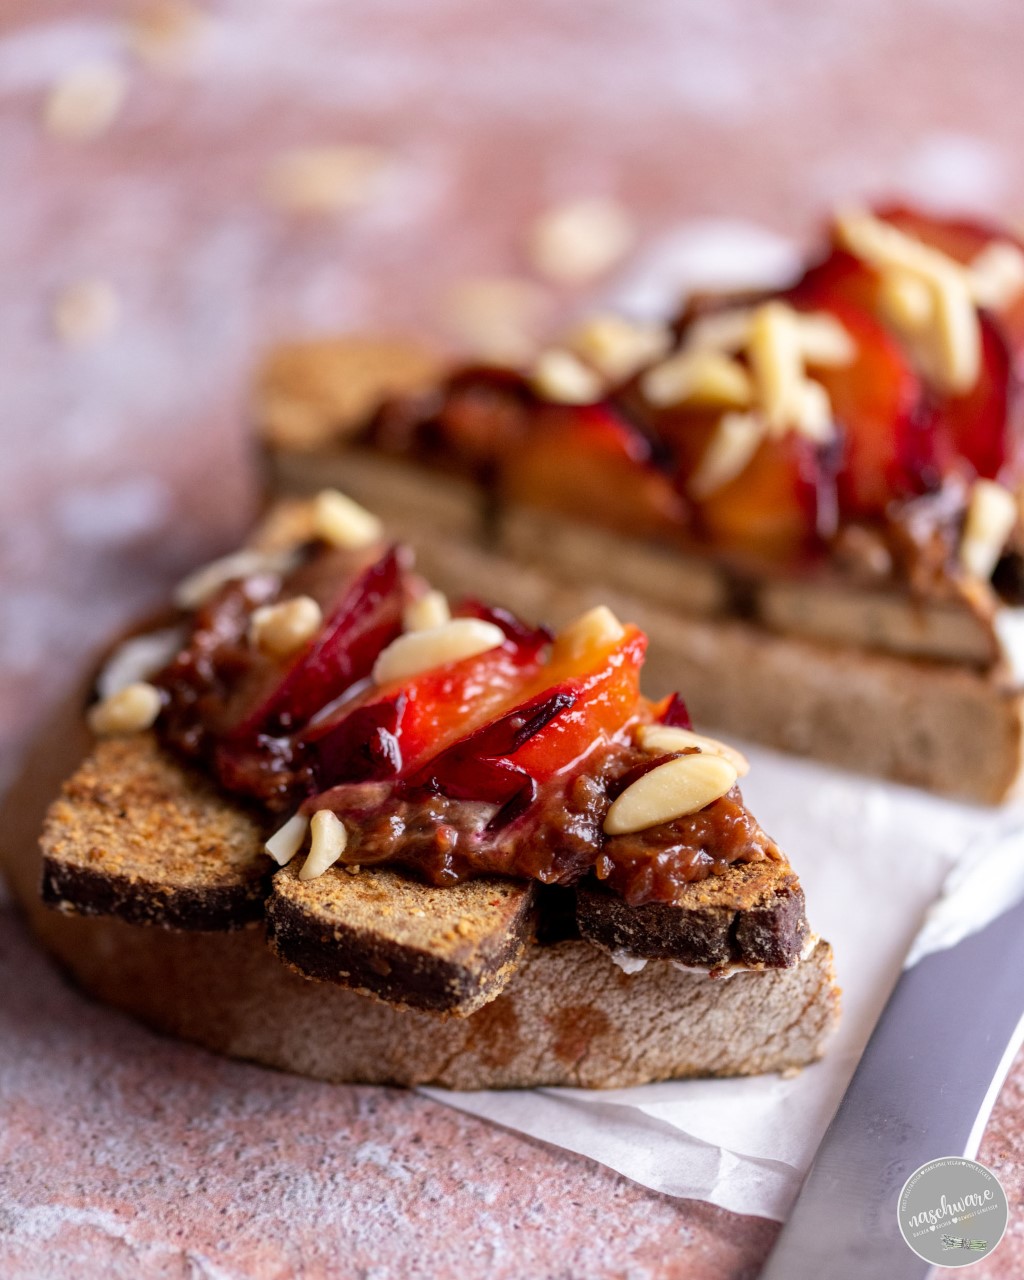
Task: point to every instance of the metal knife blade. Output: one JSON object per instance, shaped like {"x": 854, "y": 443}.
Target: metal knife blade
{"x": 923, "y": 1089}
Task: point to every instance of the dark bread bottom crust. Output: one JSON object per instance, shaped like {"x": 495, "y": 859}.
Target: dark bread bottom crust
{"x": 762, "y": 922}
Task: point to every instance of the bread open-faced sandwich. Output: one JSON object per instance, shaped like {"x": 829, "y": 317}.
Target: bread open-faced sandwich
{"x": 809, "y": 499}
{"x": 329, "y": 824}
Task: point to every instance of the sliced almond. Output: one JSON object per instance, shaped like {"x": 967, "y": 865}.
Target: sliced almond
{"x": 813, "y": 416}
{"x": 564, "y": 378}
{"x": 997, "y": 274}
{"x": 957, "y": 335}
{"x": 735, "y": 440}
{"x": 594, "y": 631}
{"x": 825, "y": 340}
{"x": 429, "y": 611}
{"x": 576, "y": 242}
{"x": 661, "y": 739}
{"x": 907, "y": 302}
{"x": 138, "y": 658}
{"x": 706, "y": 378}
{"x": 418, "y": 651}
{"x": 672, "y": 790}
{"x": 286, "y": 841}
{"x": 204, "y": 583}
{"x": 130, "y": 710}
{"x": 283, "y": 629}
{"x": 991, "y": 515}
{"x": 327, "y": 842}
{"x": 344, "y": 523}
{"x": 616, "y": 347}
{"x": 776, "y": 361}
{"x": 720, "y": 331}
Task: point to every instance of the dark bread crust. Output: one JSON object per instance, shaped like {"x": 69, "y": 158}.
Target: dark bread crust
{"x": 379, "y": 932}
{"x": 137, "y": 835}
{"x": 757, "y": 919}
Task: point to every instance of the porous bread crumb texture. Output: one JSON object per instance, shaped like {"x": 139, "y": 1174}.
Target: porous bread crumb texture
{"x": 134, "y": 831}
{"x": 311, "y": 391}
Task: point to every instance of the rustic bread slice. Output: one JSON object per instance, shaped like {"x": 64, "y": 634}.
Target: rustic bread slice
{"x": 384, "y": 934}
{"x": 757, "y": 918}
{"x": 137, "y": 835}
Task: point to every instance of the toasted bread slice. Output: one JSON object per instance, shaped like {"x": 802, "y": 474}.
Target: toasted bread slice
{"x": 385, "y": 934}
{"x": 754, "y": 916}
{"x": 137, "y": 835}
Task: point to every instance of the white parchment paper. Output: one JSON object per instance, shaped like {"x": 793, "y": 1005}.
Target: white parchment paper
{"x": 881, "y": 866}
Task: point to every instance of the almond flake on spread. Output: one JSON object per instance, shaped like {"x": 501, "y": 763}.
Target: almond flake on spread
{"x": 342, "y": 522}
{"x": 997, "y": 274}
{"x": 735, "y": 440}
{"x": 429, "y": 610}
{"x": 617, "y": 347}
{"x": 661, "y": 739}
{"x": 563, "y": 378}
{"x": 282, "y": 629}
{"x": 327, "y": 840}
{"x": 418, "y": 651}
{"x": 326, "y": 179}
{"x": 85, "y": 102}
{"x": 130, "y": 710}
{"x": 698, "y": 377}
{"x": 576, "y": 242}
{"x": 593, "y": 631}
{"x": 672, "y": 790}
{"x": 286, "y": 841}
{"x": 204, "y": 583}
{"x": 991, "y": 515}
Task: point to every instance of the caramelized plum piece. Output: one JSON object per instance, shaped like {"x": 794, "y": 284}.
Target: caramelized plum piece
{"x": 674, "y": 713}
{"x": 583, "y": 459}
{"x": 403, "y": 724}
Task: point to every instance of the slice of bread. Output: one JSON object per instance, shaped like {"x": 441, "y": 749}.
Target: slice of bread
{"x": 874, "y": 682}
{"x": 568, "y": 1016}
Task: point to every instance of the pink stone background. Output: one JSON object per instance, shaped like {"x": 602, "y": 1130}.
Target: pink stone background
{"x": 123, "y": 462}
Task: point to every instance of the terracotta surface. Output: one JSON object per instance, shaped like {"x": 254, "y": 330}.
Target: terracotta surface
{"x": 120, "y": 1154}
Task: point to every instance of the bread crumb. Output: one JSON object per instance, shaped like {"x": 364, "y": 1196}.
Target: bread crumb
{"x": 326, "y": 179}
{"x": 165, "y": 34}
{"x": 85, "y": 312}
{"x": 577, "y": 242}
{"x": 85, "y": 102}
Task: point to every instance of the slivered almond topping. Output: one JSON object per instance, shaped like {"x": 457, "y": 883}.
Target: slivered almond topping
{"x": 660, "y": 739}
{"x": 286, "y": 841}
{"x": 720, "y": 331}
{"x": 777, "y": 364}
{"x": 593, "y": 631}
{"x": 130, "y": 710}
{"x": 735, "y": 441}
{"x": 824, "y": 340}
{"x": 997, "y": 274}
{"x": 344, "y": 523}
{"x": 813, "y": 412}
{"x": 672, "y": 790}
{"x": 418, "y": 651}
{"x": 698, "y": 377}
{"x": 907, "y": 302}
{"x": 564, "y": 378}
{"x": 991, "y": 515}
{"x": 138, "y": 658}
{"x": 204, "y": 583}
{"x": 281, "y": 629}
{"x": 616, "y": 347}
{"x": 327, "y": 842}
{"x": 85, "y": 102}
{"x": 429, "y": 611}
{"x": 950, "y": 347}
{"x": 577, "y": 242}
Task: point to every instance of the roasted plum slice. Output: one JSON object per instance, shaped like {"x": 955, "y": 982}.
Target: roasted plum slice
{"x": 585, "y": 460}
